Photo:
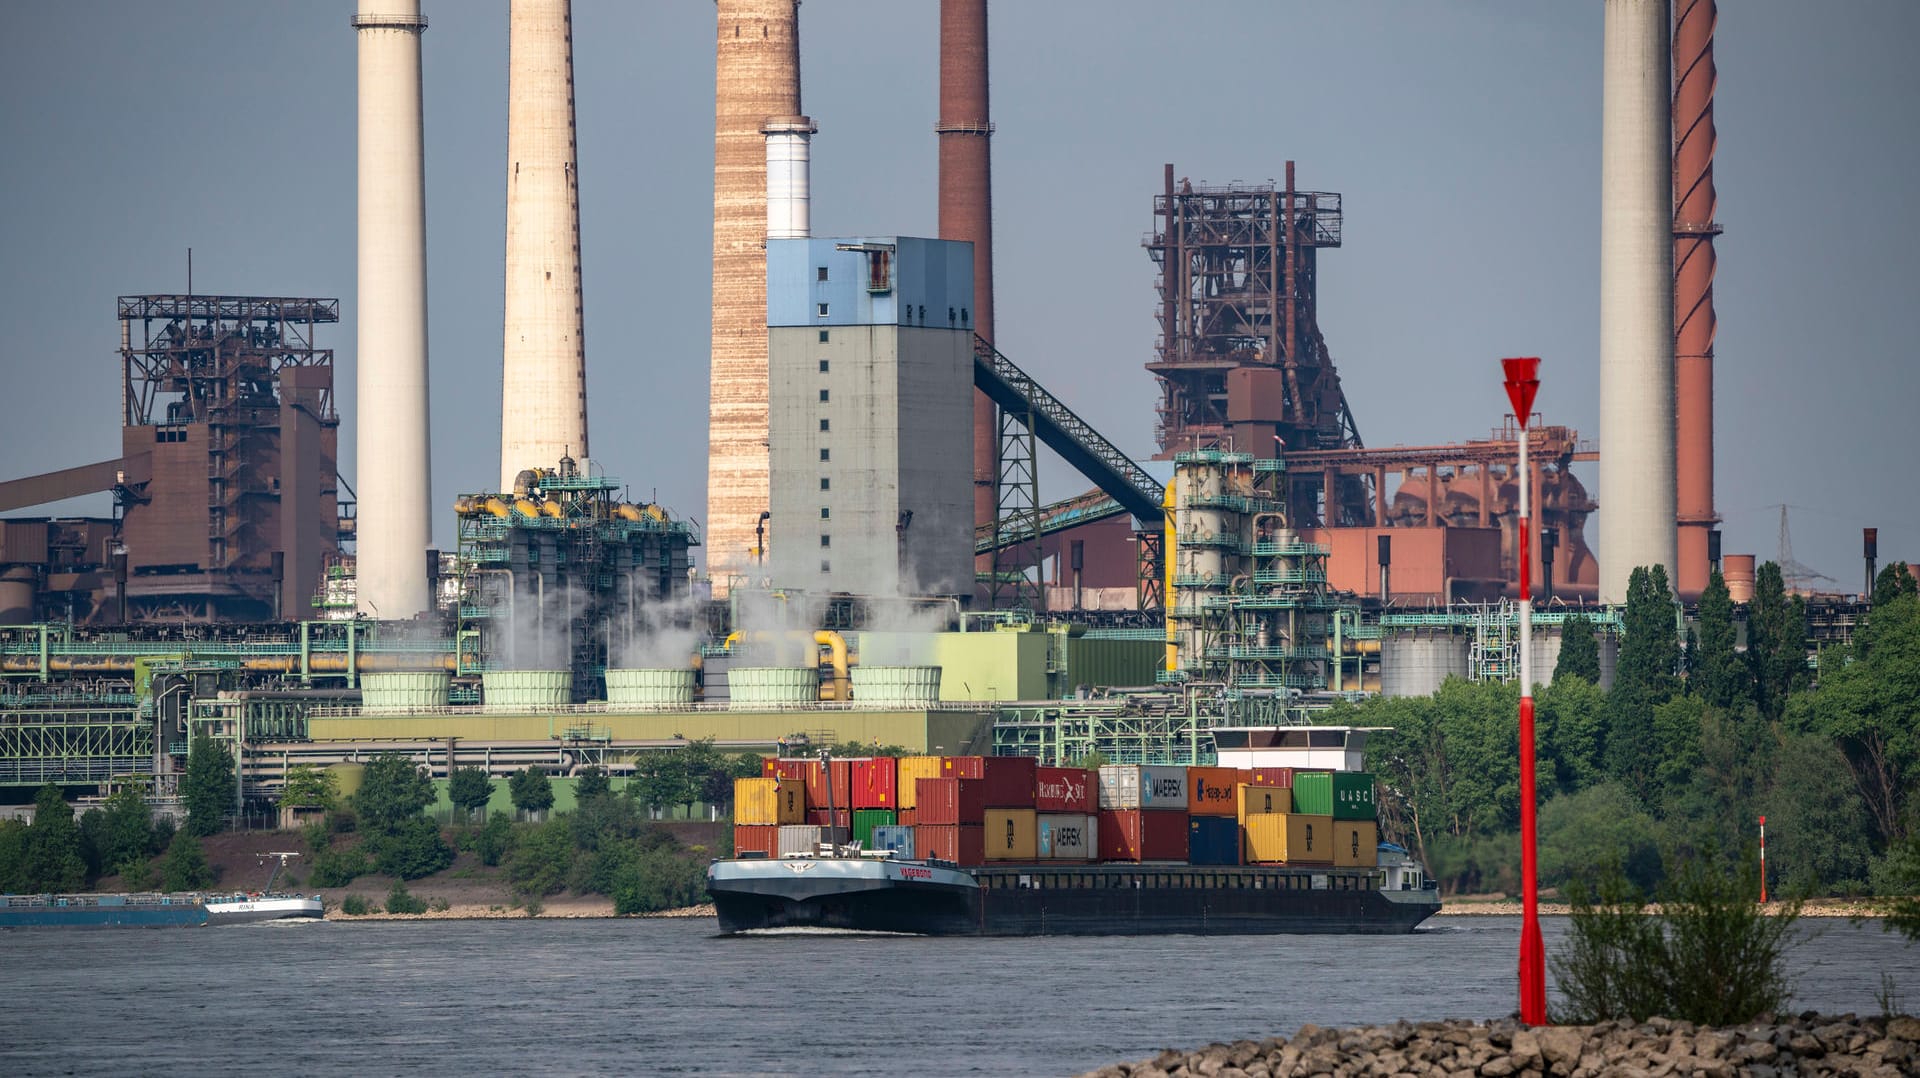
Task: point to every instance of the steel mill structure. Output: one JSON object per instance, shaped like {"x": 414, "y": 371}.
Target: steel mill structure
{"x": 543, "y": 407}
{"x": 757, "y": 76}
{"x": 392, "y": 429}
{"x": 1694, "y": 230}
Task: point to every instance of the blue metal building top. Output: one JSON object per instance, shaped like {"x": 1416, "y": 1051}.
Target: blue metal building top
{"x": 870, "y": 281}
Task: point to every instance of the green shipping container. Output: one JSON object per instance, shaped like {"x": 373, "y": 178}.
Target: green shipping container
{"x": 865, "y": 820}
{"x": 1313, "y": 793}
{"x": 1353, "y": 795}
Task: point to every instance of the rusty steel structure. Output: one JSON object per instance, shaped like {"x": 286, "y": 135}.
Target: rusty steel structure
{"x": 1694, "y": 230}
{"x": 231, "y": 400}
{"x": 965, "y": 132}
{"x": 757, "y": 75}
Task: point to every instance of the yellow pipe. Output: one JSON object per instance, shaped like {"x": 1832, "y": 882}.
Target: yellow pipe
{"x": 526, "y": 507}
{"x": 628, "y": 512}
{"x": 497, "y": 508}
{"x": 551, "y": 508}
{"x": 842, "y": 681}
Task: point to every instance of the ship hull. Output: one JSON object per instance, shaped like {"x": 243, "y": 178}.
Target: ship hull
{"x": 1098, "y": 900}
{"x": 110, "y": 911}
{"x": 249, "y": 911}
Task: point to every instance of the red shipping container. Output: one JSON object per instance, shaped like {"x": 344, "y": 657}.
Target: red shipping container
{"x": 842, "y": 784}
{"x": 1065, "y": 789}
{"x": 962, "y": 767}
{"x": 875, "y": 783}
{"x": 1136, "y": 835}
{"x": 792, "y": 768}
{"x": 1010, "y": 780}
{"x": 907, "y": 817}
{"x": 961, "y": 844}
{"x": 1271, "y": 776}
{"x": 756, "y": 838}
{"x": 843, "y": 819}
{"x": 949, "y": 802}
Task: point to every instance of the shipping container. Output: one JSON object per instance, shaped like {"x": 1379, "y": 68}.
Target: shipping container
{"x": 963, "y": 767}
{"x": 1356, "y": 843}
{"x": 1066, "y": 837}
{"x": 842, "y": 785}
{"x": 1010, "y": 835}
{"x": 909, "y": 771}
{"x": 951, "y": 801}
{"x": 789, "y": 767}
{"x": 1353, "y": 795}
{"x": 962, "y": 844}
{"x": 1263, "y": 801}
{"x": 1136, "y": 835}
{"x": 874, "y": 783}
{"x": 1127, "y": 786}
{"x": 1009, "y": 780}
{"x": 1271, "y": 776}
{"x": 1313, "y": 792}
{"x": 842, "y": 818}
{"x": 909, "y": 817}
{"x": 756, "y": 840}
{"x": 898, "y": 839}
{"x": 1065, "y": 789}
{"x": 769, "y": 801}
{"x": 1210, "y": 791}
{"x": 800, "y": 838}
{"x": 1294, "y": 839}
{"x": 865, "y": 820}
{"x": 1213, "y": 840}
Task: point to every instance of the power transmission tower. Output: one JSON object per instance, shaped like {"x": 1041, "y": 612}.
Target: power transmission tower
{"x": 1796, "y": 576}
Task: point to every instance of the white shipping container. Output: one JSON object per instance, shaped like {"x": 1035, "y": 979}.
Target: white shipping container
{"x": 1065, "y": 837}
{"x": 897, "y": 839}
{"x": 1129, "y": 786}
{"x": 800, "y": 838}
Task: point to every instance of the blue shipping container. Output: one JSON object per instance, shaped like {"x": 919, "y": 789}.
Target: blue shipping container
{"x": 1213, "y": 840}
{"x": 897, "y": 839}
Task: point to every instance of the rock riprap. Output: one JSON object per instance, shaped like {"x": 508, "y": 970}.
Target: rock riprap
{"x": 1809, "y": 1044}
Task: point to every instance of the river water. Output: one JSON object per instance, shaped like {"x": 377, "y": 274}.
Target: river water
{"x": 667, "y": 997}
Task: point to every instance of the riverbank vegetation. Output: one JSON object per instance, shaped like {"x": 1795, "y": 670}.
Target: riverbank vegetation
{"x": 1695, "y": 741}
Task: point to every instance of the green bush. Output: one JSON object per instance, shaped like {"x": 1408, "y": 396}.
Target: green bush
{"x": 657, "y": 879}
{"x": 401, "y": 900}
{"x": 542, "y": 860}
{"x": 185, "y": 867}
{"x": 1709, "y": 954}
{"x": 343, "y": 821}
{"x": 337, "y": 868}
{"x": 495, "y": 840}
{"x": 354, "y": 906}
{"x": 409, "y": 849}
{"x": 318, "y": 838}
{"x": 136, "y": 874}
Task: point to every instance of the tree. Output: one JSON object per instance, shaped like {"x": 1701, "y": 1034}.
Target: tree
{"x": 592, "y": 784}
{"x": 1572, "y": 717}
{"x": 1869, "y": 705}
{"x": 125, "y": 830}
{"x": 308, "y": 786}
{"x": 393, "y": 791}
{"x": 661, "y": 779}
{"x": 1643, "y": 680}
{"x": 185, "y": 867}
{"x": 495, "y": 840}
{"x": 530, "y": 790}
{"x": 208, "y": 786}
{"x": 13, "y": 857}
{"x": 401, "y": 900}
{"x": 408, "y": 849}
{"x": 1598, "y": 826}
{"x": 1579, "y": 650}
{"x": 1896, "y": 581}
{"x": 1719, "y": 673}
{"x": 1776, "y": 641}
{"x": 53, "y": 858}
{"x": 1818, "y": 840}
{"x": 469, "y": 789}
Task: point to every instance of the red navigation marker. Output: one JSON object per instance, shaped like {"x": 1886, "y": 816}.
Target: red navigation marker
{"x": 1523, "y": 381}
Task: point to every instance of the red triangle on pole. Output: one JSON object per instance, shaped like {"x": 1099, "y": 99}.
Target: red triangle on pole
{"x": 1523, "y": 381}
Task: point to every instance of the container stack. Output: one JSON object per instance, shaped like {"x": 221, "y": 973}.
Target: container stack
{"x": 764, "y": 809}
{"x": 1327, "y": 818}
{"x": 1143, "y": 813}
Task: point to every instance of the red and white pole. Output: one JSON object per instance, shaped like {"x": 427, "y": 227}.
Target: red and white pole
{"x": 1763, "y": 860}
{"x": 1522, "y": 383}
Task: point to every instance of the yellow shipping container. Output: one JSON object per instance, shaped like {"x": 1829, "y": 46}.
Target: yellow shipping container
{"x": 1011, "y": 835}
{"x": 1264, "y": 800}
{"x": 1292, "y": 838}
{"x": 912, "y": 770}
{"x": 1356, "y": 844}
{"x": 769, "y": 801}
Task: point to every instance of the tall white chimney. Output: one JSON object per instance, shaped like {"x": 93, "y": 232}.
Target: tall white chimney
{"x": 543, "y": 407}
{"x": 391, "y": 434}
{"x": 1637, "y": 492}
{"x": 789, "y": 216}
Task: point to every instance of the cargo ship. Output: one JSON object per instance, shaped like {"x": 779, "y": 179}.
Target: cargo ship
{"x": 159, "y": 910}
{"x": 999, "y": 846}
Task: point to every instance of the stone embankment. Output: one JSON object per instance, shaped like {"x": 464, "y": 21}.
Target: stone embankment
{"x": 1807, "y": 1045}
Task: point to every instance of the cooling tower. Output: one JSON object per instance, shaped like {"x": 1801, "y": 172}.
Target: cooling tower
{"x": 757, "y": 76}
{"x": 391, "y": 430}
{"x": 965, "y": 132}
{"x": 543, "y": 406}
{"x": 1637, "y": 501}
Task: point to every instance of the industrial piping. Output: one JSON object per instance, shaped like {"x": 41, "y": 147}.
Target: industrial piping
{"x": 391, "y": 437}
{"x": 965, "y": 131}
{"x": 1637, "y": 518}
{"x": 756, "y": 76}
{"x": 543, "y": 402}
{"x": 1694, "y": 140}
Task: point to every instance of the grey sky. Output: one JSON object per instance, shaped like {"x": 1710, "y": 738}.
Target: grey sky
{"x": 1464, "y": 137}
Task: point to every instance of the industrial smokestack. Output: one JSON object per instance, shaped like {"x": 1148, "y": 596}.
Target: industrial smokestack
{"x": 756, "y": 76}
{"x": 1693, "y": 264}
{"x": 1637, "y": 515}
{"x": 392, "y": 436}
{"x": 789, "y": 211}
{"x": 965, "y": 130}
{"x": 543, "y": 407}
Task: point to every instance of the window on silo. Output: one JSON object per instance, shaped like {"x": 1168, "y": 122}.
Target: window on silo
{"x": 823, "y": 396}
{"x": 824, "y": 456}
{"x": 823, "y": 424}
{"x": 823, "y": 366}
{"x": 826, "y": 540}
{"x": 823, "y": 340}
{"x": 825, "y": 512}
{"x": 823, "y": 310}
{"x": 821, "y": 274}
{"x": 825, "y": 483}
{"x": 826, "y": 567}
